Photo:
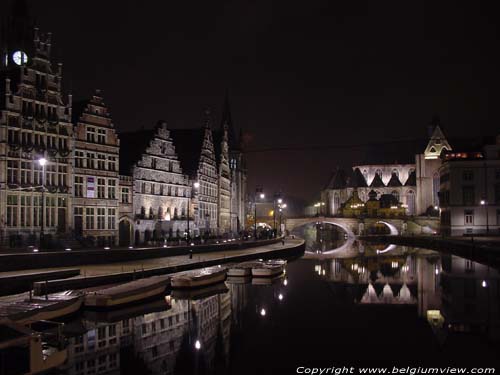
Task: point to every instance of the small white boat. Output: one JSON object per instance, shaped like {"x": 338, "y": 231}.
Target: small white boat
{"x": 269, "y": 268}
{"x": 199, "y": 278}
{"x": 133, "y": 291}
{"x": 243, "y": 269}
{"x": 55, "y": 305}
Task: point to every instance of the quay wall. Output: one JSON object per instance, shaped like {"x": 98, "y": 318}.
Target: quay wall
{"x": 25, "y": 261}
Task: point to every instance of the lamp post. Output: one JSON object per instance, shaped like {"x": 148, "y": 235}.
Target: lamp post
{"x": 485, "y": 204}
{"x": 261, "y": 196}
{"x": 42, "y": 161}
{"x": 281, "y": 208}
{"x": 195, "y": 187}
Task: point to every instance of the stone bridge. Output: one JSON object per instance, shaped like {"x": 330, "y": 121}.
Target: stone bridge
{"x": 352, "y": 226}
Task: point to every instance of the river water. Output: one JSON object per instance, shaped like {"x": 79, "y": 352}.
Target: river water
{"x": 359, "y": 305}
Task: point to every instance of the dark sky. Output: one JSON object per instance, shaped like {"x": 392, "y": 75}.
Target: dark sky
{"x": 308, "y": 73}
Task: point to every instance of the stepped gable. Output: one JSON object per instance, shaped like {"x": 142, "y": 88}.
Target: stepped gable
{"x": 394, "y": 181}
{"x": 377, "y": 182}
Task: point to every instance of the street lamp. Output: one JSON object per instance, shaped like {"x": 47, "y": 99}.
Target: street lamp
{"x": 195, "y": 187}
{"x": 42, "y": 161}
{"x": 485, "y": 204}
{"x": 262, "y": 196}
{"x": 281, "y": 206}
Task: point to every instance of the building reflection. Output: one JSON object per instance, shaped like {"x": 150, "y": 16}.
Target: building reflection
{"x": 189, "y": 335}
{"x": 453, "y": 294}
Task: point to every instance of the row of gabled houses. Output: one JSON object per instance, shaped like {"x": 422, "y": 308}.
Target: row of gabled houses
{"x": 65, "y": 173}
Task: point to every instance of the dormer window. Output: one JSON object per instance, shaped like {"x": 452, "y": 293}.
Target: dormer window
{"x": 438, "y": 141}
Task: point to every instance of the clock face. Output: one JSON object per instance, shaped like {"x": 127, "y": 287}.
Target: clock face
{"x": 20, "y": 57}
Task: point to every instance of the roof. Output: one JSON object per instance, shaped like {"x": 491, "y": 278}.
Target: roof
{"x": 377, "y": 181}
{"x": 188, "y": 144}
{"x": 338, "y": 180}
{"x": 412, "y": 179}
{"x": 394, "y": 181}
{"x": 356, "y": 179}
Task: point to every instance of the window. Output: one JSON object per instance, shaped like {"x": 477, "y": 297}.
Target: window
{"x": 112, "y": 163}
{"x": 25, "y": 173}
{"x": 497, "y": 193}
{"x": 61, "y": 175}
{"x": 170, "y": 166}
{"x": 90, "y": 160}
{"x": 12, "y": 201}
{"x": 12, "y": 171}
{"x": 395, "y": 173}
{"x": 89, "y": 218}
{"x": 101, "y": 136}
{"x": 25, "y": 211}
{"x": 125, "y": 195}
{"x": 467, "y": 175}
{"x": 90, "y": 134}
{"x": 101, "y": 184}
{"x": 37, "y": 211}
{"x": 78, "y": 186}
{"x": 111, "y": 218}
{"x": 153, "y": 163}
{"x": 101, "y": 217}
{"x": 469, "y": 217}
{"x": 232, "y": 163}
{"x": 468, "y": 195}
{"x": 101, "y": 162}
{"x": 111, "y": 189}
{"x": 143, "y": 187}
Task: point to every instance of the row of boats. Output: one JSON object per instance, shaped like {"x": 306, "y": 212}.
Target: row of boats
{"x": 18, "y": 315}
{"x": 27, "y": 311}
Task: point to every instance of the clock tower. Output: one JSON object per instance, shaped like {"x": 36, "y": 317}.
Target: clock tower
{"x": 36, "y": 136}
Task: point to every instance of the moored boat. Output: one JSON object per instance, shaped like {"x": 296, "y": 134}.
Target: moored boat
{"x": 199, "y": 293}
{"x": 269, "y": 268}
{"x": 199, "y": 278}
{"x": 53, "y": 306}
{"x": 128, "y": 293}
{"x": 242, "y": 269}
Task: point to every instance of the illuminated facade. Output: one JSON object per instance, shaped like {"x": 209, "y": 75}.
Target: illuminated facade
{"x": 35, "y": 124}
{"x": 160, "y": 188}
{"x": 414, "y": 185}
{"x": 470, "y": 191}
{"x": 96, "y": 179}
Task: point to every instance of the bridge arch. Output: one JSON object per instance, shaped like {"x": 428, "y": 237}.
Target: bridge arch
{"x": 394, "y": 231}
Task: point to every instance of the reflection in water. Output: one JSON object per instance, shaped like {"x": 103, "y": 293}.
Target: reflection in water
{"x": 200, "y": 332}
{"x": 452, "y": 293}
{"x": 320, "y": 237}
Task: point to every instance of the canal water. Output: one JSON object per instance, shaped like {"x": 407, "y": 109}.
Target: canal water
{"x": 360, "y": 305}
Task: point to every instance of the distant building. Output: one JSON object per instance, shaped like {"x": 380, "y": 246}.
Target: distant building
{"x": 470, "y": 190}
{"x": 414, "y": 185}
{"x": 96, "y": 179}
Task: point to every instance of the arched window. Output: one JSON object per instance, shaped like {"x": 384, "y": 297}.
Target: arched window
{"x": 435, "y": 189}
{"x": 395, "y": 194}
{"x": 336, "y": 203}
{"x": 160, "y": 213}
{"x": 410, "y": 202}
{"x": 379, "y": 172}
{"x": 151, "y": 213}
{"x": 175, "y": 213}
{"x": 143, "y": 212}
{"x": 365, "y": 175}
{"x": 395, "y": 172}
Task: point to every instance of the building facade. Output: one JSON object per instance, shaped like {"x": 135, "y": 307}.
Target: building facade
{"x": 160, "y": 188}
{"x": 67, "y": 177}
{"x": 35, "y": 129}
{"x": 470, "y": 191}
{"x": 414, "y": 185}
{"x": 96, "y": 177}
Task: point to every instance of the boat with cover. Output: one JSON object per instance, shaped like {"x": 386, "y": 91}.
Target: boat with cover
{"x": 269, "y": 268}
{"x": 243, "y": 269}
{"x": 26, "y": 311}
{"x": 199, "y": 278}
{"x": 128, "y": 293}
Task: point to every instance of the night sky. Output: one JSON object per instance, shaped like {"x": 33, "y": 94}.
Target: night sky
{"x": 310, "y": 73}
